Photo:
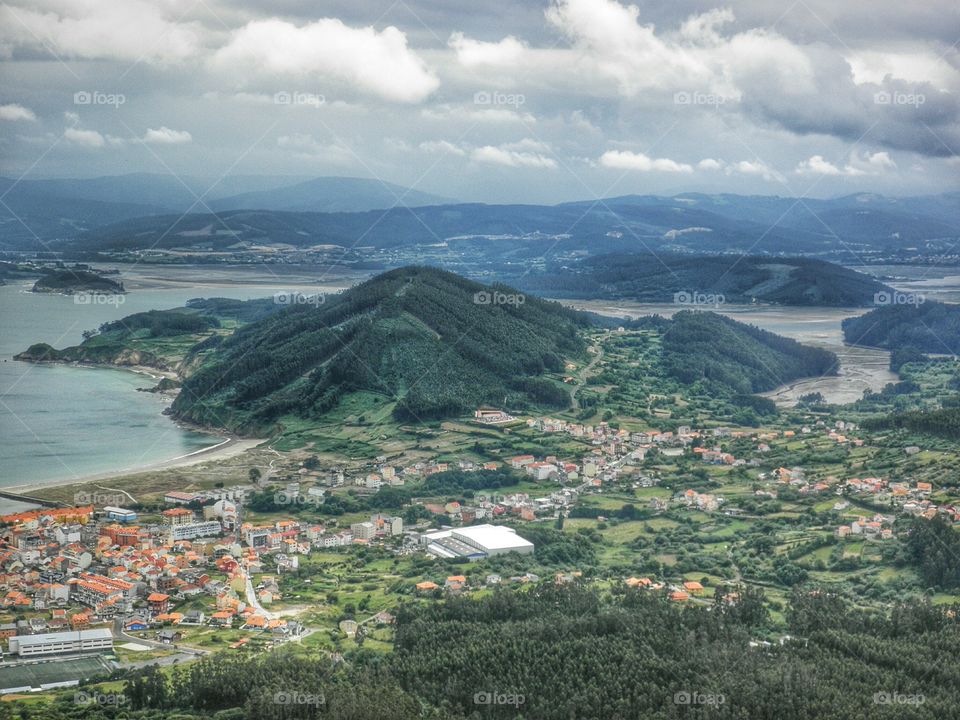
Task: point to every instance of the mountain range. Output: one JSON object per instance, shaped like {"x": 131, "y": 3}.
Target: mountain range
{"x": 52, "y": 210}
{"x": 144, "y": 210}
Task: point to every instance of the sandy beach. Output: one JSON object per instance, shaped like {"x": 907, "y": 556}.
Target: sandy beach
{"x": 230, "y": 447}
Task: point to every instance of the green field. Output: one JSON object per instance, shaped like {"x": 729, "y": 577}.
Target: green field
{"x": 53, "y": 671}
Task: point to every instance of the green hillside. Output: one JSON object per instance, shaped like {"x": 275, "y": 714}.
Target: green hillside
{"x": 68, "y": 281}
{"x": 432, "y": 341}
{"x": 704, "y": 346}
{"x": 931, "y": 327}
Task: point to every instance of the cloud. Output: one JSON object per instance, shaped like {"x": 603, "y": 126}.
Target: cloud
{"x": 816, "y": 165}
{"x": 471, "y": 53}
{"x": 328, "y": 52}
{"x": 303, "y": 145}
{"x": 709, "y": 164}
{"x": 525, "y": 153}
{"x": 165, "y": 136}
{"x": 441, "y": 147}
{"x": 858, "y": 166}
{"x": 13, "y": 111}
{"x": 873, "y": 66}
{"x": 626, "y": 160}
{"x": 754, "y": 167}
{"x": 86, "y": 138}
{"x": 881, "y": 161}
{"x": 132, "y": 30}
{"x": 610, "y": 37}
{"x": 806, "y": 89}
{"x": 474, "y": 114}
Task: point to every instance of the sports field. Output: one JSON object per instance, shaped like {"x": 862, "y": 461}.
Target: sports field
{"x": 52, "y": 671}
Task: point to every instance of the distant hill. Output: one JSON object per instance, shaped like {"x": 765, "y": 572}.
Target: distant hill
{"x": 69, "y": 281}
{"x": 665, "y": 278}
{"x": 55, "y": 210}
{"x": 435, "y": 342}
{"x": 863, "y": 217}
{"x": 330, "y": 194}
{"x": 685, "y": 224}
{"x": 162, "y": 339}
{"x": 742, "y": 359}
{"x": 930, "y": 327}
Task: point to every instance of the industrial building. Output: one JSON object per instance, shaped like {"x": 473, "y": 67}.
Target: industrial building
{"x": 62, "y": 643}
{"x": 120, "y": 514}
{"x": 475, "y": 542}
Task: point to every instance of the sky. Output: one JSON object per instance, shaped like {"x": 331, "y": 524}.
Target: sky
{"x": 500, "y": 101}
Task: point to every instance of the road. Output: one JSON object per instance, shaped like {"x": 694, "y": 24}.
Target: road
{"x": 584, "y": 374}
{"x": 254, "y": 602}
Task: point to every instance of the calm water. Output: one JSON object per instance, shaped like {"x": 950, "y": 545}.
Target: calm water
{"x": 60, "y": 422}
{"x": 65, "y": 422}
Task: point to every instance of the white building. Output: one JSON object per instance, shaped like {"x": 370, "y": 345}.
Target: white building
{"x": 189, "y": 531}
{"x": 476, "y": 542}
{"x": 364, "y": 530}
{"x": 78, "y": 641}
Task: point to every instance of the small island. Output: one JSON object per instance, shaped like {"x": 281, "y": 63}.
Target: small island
{"x": 71, "y": 281}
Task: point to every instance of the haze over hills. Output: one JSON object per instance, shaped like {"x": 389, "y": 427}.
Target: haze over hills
{"x": 55, "y": 209}
{"x": 330, "y": 194}
{"x": 691, "y": 224}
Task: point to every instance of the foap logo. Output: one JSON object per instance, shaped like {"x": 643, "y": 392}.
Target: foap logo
{"x": 292, "y": 297}
{"x": 314, "y": 100}
{"x": 296, "y": 697}
{"x": 495, "y": 697}
{"x": 695, "y": 298}
{"x": 492, "y": 97}
{"x": 496, "y": 297}
{"x": 700, "y": 98}
{"x": 99, "y": 698}
{"x": 898, "y": 698}
{"x": 885, "y": 97}
{"x": 96, "y": 97}
{"x": 98, "y": 299}
{"x": 96, "y": 498}
{"x": 287, "y": 498}
{"x": 695, "y": 697}
{"x": 898, "y": 298}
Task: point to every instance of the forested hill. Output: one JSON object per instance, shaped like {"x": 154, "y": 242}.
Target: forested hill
{"x": 435, "y": 342}
{"x": 70, "y": 281}
{"x": 710, "y": 348}
{"x": 944, "y": 422}
{"x": 561, "y": 652}
{"x": 928, "y": 327}
{"x": 645, "y": 277}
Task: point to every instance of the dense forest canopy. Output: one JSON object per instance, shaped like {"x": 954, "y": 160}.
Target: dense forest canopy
{"x": 930, "y": 327}
{"x": 559, "y": 652}
{"x": 436, "y": 342}
{"x": 704, "y": 346}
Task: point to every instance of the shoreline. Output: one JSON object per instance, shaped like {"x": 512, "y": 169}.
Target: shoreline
{"x": 229, "y": 447}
